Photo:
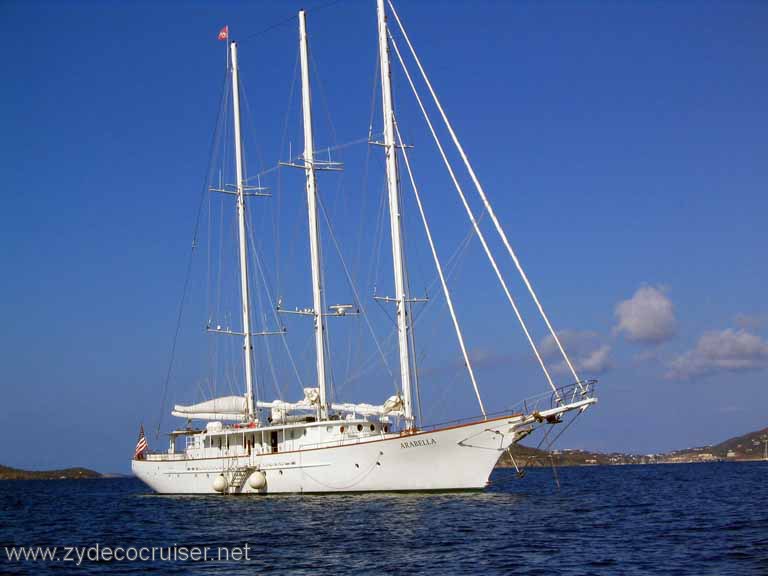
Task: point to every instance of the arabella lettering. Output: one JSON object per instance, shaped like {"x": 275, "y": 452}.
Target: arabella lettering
{"x": 418, "y": 443}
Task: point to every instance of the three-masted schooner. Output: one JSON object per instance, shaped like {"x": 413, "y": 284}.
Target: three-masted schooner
{"x": 315, "y": 444}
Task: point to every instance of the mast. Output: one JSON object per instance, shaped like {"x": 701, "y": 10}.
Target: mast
{"x": 244, "y": 293}
{"x": 314, "y": 231}
{"x": 401, "y": 301}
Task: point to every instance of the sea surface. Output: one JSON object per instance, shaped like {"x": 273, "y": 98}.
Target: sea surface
{"x": 694, "y": 519}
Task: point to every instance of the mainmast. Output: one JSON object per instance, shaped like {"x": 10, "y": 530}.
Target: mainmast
{"x": 401, "y": 300}
{"x": 314, "y": 231}
{"x": 247, "y": 336}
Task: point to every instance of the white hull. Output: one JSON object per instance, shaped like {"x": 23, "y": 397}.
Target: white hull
{"x": 452, "y": 458}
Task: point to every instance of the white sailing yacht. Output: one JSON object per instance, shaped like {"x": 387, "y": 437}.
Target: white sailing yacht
{"x": 318, "y": 445}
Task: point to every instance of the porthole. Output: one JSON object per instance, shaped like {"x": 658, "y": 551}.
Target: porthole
{"x": 341, "y": 429}
{"x": 386, "y": 428}
{"x": 373, "y": 427}
{"x": 359, "y": 427}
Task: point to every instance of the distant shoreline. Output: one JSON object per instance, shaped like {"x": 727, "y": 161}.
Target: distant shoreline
{"x": 8, "y": 473}
{"x": 546, "y": 462}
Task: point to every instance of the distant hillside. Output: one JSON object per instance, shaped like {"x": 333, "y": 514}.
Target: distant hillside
{"x": 741, "y": 448}
{"x": 526, "y": 456}
{"x": 7, "y": 473}
{"x": 749, "y": 446}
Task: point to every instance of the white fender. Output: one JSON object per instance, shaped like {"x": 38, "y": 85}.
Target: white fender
{"x": 220, "y": 483}
{"x": 258, "y": 480}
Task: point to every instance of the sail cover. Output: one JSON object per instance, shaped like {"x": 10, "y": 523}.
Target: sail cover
{"x": 224, "y": 408}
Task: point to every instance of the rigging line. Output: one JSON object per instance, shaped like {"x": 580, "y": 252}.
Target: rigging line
{"x": 219, "y": 149}
{"x": 334, "y": 138}
{"x": 474, "y": 221}
{"x": 188, "y": 273}
{"x": 319, "y": 82}
{"x": 281, "y": 23}
{"x": 481, "y": 192}
{"x": 268, "y": 29}
{"x": 255, "y": 258}
{"x": 323, "y": 303}
{"x": 452, "y": 266}
{"x": 219, "y": 277}
{"x": 356, "y": 343}
{"x": 555, "y": 439}
{"x": 276, "y": 318}
{"x": 377, "y": 69}
{"x": 563, "y": 429}
{"x": 378, "y": 238}
{"x": 352, "y": 286}
{"x": 439, "y": 268}
{"x": 279, "y": 199}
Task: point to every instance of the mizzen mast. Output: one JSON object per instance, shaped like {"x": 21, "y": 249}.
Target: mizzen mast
{"x": 401, "y": 299}
{"x": 240, "y": 185}
{"x": 314, "y": 231}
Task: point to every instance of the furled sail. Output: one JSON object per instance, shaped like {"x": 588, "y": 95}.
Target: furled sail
{"x": 224, "y": 408}
{"x": 392, "y": 406}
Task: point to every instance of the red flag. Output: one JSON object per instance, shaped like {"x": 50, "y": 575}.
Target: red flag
{"x": 224, "y": 33}
{"x": 141, "y": 445}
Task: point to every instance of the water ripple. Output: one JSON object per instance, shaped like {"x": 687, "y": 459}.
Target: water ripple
{"x": 635, "y": 520}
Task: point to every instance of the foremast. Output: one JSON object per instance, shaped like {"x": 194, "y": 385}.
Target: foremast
{"x": 401, "y": 297}
{"x": 242, "y": 238}
{"x": 314, "y": 230}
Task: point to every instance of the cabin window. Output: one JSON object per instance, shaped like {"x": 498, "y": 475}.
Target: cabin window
{"x": 373, "y": 427}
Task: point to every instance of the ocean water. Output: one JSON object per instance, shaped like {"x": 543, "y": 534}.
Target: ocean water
{"x": 695, "y": 519}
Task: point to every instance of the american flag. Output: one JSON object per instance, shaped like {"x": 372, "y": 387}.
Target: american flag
{"x": 141, "y": 445}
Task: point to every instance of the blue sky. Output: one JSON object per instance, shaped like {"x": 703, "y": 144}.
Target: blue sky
{"x": 622, "y": 144}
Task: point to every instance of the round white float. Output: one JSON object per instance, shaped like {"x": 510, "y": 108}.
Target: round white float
{"x": 220, "y": 483}
{"x": 258, "y": 480}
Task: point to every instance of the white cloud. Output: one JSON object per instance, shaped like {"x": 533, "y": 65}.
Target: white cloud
{"x": 598, "y": 361}
{"x": 725, "y": 351}
{"x": 647, "y": 317}
{"x": 583, "y": 348}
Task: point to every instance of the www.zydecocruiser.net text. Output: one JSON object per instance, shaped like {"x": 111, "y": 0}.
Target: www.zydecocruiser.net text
{"x": 78, "y": 555}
